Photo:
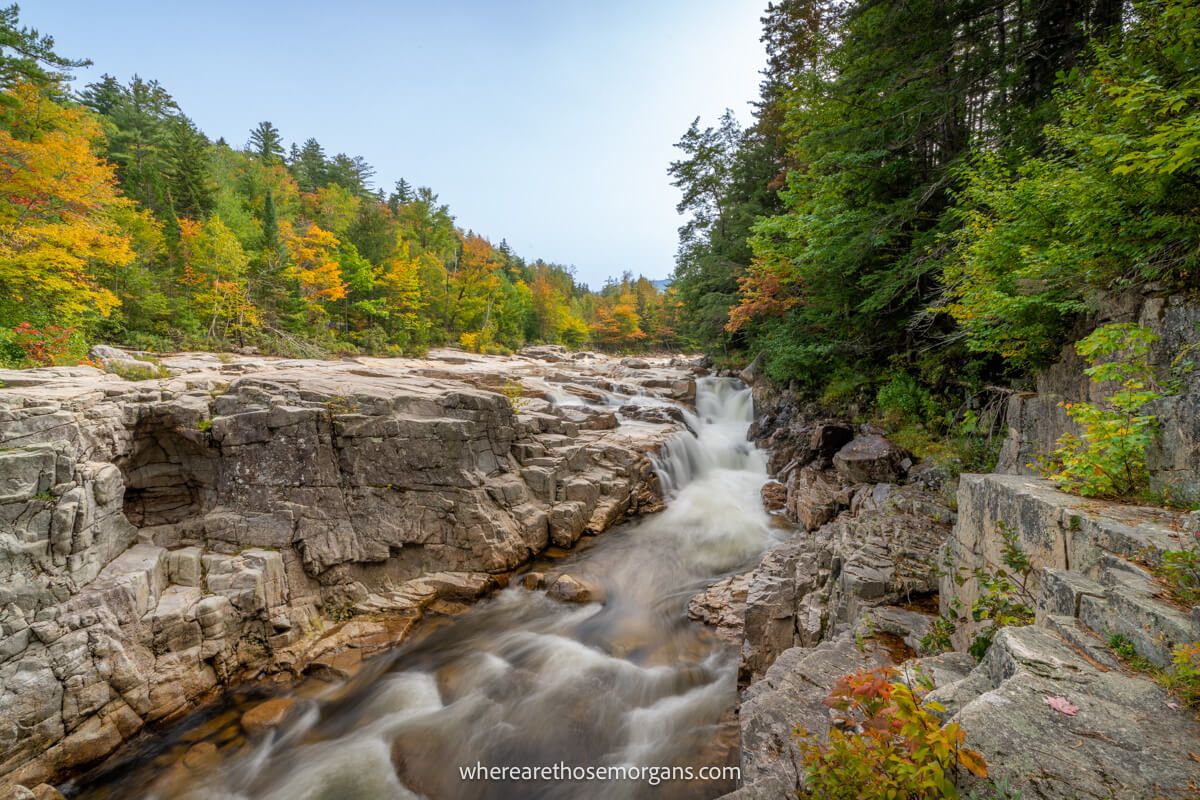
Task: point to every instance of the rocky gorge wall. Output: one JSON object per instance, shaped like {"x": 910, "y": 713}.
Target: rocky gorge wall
{"x": 162, "y": 539}
{"x": 885, "y": 544}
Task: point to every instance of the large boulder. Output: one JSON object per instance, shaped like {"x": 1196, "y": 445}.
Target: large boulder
{"x": 872, "y": 459}
{"x": 815, "y": 496}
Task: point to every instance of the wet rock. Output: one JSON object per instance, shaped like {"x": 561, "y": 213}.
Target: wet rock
{"x": 723, "y": 606}
{"x": 201, "y": 755}
{"x": 871, "y": 459}
{"x": 572, "y": 589}
{"x": 774, "y": 496}
{"x": 267, "y": 715}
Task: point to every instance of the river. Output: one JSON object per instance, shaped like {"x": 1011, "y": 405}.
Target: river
{"x": 629, "y": 685}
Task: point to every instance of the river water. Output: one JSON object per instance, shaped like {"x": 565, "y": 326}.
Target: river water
{"x": 521, "y": 680}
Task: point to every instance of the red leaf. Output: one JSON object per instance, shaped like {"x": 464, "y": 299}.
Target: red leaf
{"x": 1062, "y": 705}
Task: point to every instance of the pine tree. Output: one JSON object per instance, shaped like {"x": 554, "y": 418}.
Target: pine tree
{"x": 266, "y": 143}
{"x": 186, "y": 174}
{"x": 26, "y": 55}
{"x": 402, "y": 194}
{"x": 310, "y": 166}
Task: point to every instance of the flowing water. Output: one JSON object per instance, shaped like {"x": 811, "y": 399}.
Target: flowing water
{"x": 523, "y": 681}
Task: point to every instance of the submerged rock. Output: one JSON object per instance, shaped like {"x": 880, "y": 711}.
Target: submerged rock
{"x": 267, "y": 715}
{"x": 572, "y": 589}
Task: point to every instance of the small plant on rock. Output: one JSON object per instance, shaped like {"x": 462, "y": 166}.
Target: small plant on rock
{"x": 885, "y": 743}
{"x": 1108, "y": 459}
{"x": 938, "y": 638}
{"x": 1181, "y": 570}
{"x": 514, "y": 390}
{"x": 1183, "y": 677}
{"x": 1004, "y": 597}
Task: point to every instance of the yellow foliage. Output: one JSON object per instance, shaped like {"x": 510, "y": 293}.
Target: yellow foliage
{"x": 57, "y": 206}
{"x": 315, "y": 267}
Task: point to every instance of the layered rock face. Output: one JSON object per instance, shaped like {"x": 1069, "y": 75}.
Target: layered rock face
{"x": 163, "y": 538}
{"x": 1090, "y": 582}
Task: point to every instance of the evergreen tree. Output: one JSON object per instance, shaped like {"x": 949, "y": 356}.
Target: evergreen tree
{"x": 266, "y": 143}
{"x": 402, "y": 194}
{"x": 186, "y": 173}
{"x": 310, "y": 166}
{"x": 26, "y": 55}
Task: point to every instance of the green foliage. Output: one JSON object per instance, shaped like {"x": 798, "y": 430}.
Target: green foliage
{"x": 27, "y": 55}
{"x": 1111, "y": 203}
{"x": 885, "y": 743}
{"x": 938, "y": 639}
{"x": 1181, "y": 570}
{"x": 1125, "y": 649}
{"x": 1004, "y": 598}
{"x": 1108, "y": 459}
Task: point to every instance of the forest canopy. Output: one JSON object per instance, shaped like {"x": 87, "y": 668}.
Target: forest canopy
{"x": 122, "y": 222}
{"x": 932, "y": 195}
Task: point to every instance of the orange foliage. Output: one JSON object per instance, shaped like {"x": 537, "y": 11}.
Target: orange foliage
{"x": 763, "y": 292}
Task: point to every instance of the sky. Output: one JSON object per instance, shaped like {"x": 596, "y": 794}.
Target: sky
{"x": 549, "y": 124}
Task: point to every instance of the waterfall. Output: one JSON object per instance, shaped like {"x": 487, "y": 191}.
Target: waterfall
{"x": 724, "y": 410}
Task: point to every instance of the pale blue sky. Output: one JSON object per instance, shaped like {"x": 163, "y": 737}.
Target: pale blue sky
{"x": 548, "y": 123}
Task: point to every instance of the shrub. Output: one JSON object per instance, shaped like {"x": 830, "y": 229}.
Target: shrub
{"x": 1004, "y": 597}
{"x": 902, "y": 399}
{"x": 469, "y": 342}
{"x": 1109, "y": 458}
{"x": 514, "y": 390}
{"x": 885, "y": 744}
{"x": 1183, "y": 677}
{"x": 43, "y": 347}
{"x": 138, "y": 370}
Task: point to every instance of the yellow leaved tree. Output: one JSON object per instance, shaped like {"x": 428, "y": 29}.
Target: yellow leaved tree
{"x": 314, "y": 266}
{"x": 59, "y": 205}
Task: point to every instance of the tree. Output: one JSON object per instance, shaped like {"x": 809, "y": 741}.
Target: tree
{"x": 27, "y": 56}
{"x": 142, "y": 117}
{"x": 315, "y": 269}
{"x": 310, "y": 166}
{"x": 1115, "y": 196}
{"x": 402, "y": 194}
{"x": 266, "y": 143}
{"x": 58, "y": 202}
{"x": 185, "y": 170}
{"x": 215, "y": 271}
